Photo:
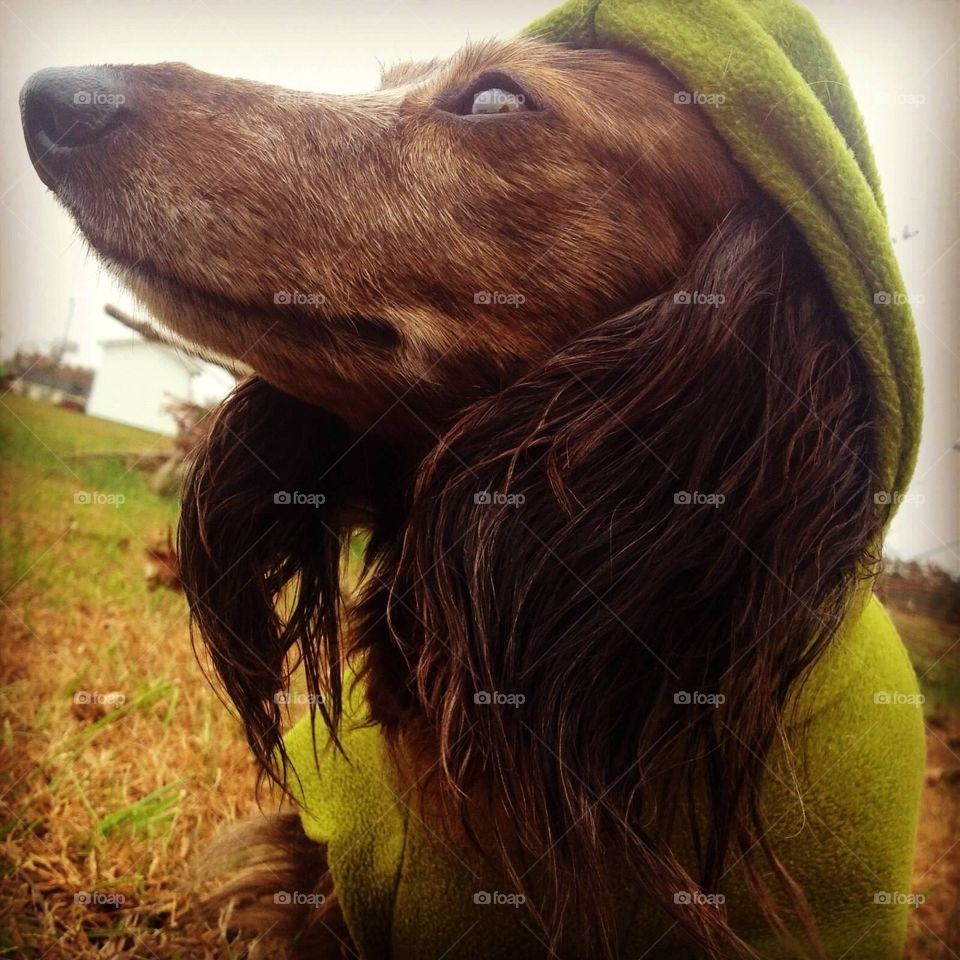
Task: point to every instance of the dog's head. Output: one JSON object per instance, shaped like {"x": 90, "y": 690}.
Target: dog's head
{"x": 430, "y": 240}
{"x": 521, "y": 315}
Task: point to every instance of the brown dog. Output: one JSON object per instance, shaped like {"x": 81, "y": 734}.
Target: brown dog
{"x": 576, "y": 296}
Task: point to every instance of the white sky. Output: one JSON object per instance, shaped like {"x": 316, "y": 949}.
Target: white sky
{"x": 903, "y": 59}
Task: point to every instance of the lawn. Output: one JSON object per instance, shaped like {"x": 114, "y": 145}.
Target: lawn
{"x": 118, "y": 758}
{"x": 119, "y": 761}
{"x": 935, "y": 924}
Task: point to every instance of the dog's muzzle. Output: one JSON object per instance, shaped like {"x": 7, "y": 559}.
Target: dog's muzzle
{"x": 68, "y": 110}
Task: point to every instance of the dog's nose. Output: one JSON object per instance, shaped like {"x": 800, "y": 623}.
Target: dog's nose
{"x": 67, "y": 108}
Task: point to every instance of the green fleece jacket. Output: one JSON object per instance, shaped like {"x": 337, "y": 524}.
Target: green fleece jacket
{"x": 845, "y": 831}
{"x": 845, "y": 824}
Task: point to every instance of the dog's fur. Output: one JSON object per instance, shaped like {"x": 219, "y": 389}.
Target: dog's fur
{"x": 399, "y": 397}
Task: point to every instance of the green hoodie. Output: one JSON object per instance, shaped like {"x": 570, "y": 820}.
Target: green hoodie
{"x": 789, "y": 118}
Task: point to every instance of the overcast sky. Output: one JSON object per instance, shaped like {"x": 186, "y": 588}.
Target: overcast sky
{"x": 903, "y": 60}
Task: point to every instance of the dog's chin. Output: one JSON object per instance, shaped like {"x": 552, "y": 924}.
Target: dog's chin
{"x": 322, "y": 359}
{"x": 204, "y": 322}
{"x": 192, "y": 303}
{"x": 181, "y": 321}
{"x": 356, "y": 365}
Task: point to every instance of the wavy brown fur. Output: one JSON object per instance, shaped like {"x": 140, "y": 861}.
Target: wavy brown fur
{"x": 601, "y": 598}
{"x": 597, "y": 599}
{"x": 279, "y": 891}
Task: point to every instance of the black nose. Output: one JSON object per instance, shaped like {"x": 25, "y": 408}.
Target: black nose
{"x": 63, "y": 109}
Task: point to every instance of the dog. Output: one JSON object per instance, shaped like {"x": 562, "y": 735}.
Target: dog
{"x": 516, "y": 314}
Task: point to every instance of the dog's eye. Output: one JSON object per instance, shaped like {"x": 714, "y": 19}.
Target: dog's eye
{"x": 497, "y": 100}
{"x": 489, "y": 95}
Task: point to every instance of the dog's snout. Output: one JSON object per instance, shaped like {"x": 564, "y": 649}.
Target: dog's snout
{"x": 64, "y": 109}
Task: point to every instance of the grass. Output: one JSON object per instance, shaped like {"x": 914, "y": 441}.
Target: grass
{"x": 935, "y": 653}
{"x": 118, "y": 760}
{"x": 49, "y": 522}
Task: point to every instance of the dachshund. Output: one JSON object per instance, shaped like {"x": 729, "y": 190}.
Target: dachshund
{"x": 519, "y": 315}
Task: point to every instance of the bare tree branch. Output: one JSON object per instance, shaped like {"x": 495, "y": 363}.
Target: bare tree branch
{"x": 148, "y": 332}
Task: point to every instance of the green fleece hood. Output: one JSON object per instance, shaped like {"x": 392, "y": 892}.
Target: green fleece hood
{"x": 765, "y": 76}
{"x": 768, "y": 80}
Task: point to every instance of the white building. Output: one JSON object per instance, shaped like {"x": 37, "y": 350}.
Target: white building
{"x": 135, "y": 381}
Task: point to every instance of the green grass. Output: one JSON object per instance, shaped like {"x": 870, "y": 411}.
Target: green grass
{"x": 74, "y": 551}
{"x": 148, "y": 815}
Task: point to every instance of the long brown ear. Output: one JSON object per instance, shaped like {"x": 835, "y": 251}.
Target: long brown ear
{"x": 673, "y": 508}
{"x": 267, "y": 508}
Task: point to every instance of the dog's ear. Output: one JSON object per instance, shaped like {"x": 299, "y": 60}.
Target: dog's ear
{"x": 670, "y": 511}
{"x": 272, "y": 497}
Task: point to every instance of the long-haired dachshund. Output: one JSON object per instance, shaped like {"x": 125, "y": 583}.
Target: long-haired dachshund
{"x": 521, "y": 317}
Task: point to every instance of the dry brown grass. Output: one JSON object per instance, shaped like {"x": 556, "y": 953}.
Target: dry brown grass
{"x": 105, "y": 805}
{"x": 104, "y": 802}
{"x": 935, "y": 924}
